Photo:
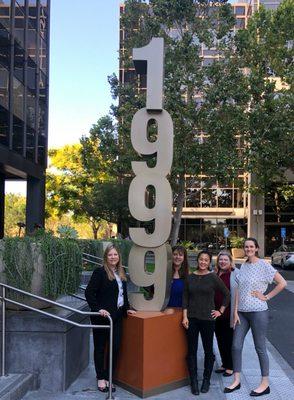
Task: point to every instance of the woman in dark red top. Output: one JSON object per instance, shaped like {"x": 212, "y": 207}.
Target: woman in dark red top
{"x": 223, "y": 327}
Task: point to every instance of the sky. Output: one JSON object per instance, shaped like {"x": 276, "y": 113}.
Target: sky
{"x": 84, "y": 42}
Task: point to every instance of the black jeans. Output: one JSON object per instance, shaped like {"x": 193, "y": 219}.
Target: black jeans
{"x": 224, "y": 335}
{"x": 101, "y": 344}
{"x": 206, "y": 330}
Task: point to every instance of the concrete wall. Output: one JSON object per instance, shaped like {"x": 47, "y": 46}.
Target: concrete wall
{"x": 55, "y": 352}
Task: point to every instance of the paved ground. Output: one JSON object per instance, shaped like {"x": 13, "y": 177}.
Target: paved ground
{"x": 281, "y": 326}
{"x": 281, "y": 353}
{"x": 281, "y": 378}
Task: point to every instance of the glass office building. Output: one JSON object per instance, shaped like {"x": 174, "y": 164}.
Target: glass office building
{"x": 24, "y": 61}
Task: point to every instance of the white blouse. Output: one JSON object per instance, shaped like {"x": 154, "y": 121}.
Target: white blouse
{"x": 251, "y": 277}
{"x": 120, "y": 299}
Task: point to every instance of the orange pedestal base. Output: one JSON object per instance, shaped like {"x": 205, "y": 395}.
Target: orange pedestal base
{"x": 153, "y": 353}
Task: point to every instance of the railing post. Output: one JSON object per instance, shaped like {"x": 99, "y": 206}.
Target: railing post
{"x": 110, "y": 397}
{"x": 3, "y": 358}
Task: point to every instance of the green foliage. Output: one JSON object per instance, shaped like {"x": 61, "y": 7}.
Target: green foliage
{"x": 110, "y": 193}
{"x": 17, "y": 256}
{"x": 237, "y": 242}
{"x": 62, "y": 261}
{"x": 61, "y": 257}
{"x": 265, "y": 50}
{"x": 187, "y": 244}
{"x": 73, "y": 189}
{"x": 15, "y": 211}
{"x": 184, "y": 25}
{"x": 95, "y": 248}
{"x": 90, "y": 186}
{"x": 67, "y": 232}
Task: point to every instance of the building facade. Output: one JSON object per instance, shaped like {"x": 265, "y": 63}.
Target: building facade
{"x": 24, "y": 74}
{"x": 209, "y": 210}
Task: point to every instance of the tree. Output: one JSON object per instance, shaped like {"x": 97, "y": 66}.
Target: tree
{"x": 263, "y": 49}
{"x": 81, "y": 183}
{"x": 70, "y": 188}
{"x": 247, "y": 124}
{"x": 111, "y": 191}
{"x": 15, "y": 211}
{"x": 184, "y": 25}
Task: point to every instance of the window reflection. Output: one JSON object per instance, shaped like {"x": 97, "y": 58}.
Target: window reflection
{"x": 206, "y": 194}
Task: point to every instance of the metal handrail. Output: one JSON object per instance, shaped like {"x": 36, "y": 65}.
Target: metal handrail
{"x": 100, "y": 263}
{"x": 91, "y": 255}
{"x": 5, "y": 300}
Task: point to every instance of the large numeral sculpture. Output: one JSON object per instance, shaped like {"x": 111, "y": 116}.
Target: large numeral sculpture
{"x": 149, "y": 59}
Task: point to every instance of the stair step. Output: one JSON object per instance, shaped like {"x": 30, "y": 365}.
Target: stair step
{"x": 15, "y": 386}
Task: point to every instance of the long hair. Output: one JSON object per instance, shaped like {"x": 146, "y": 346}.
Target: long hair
{"x": 120, "y": 269}
{"x": 224, "y": 253}
{"x": 184, "y": 270}
{"x": 200, "y": 254}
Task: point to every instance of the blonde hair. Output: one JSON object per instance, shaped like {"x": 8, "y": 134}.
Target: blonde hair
{"x": 224, "y": 253}
{"x": 120, "y": 269}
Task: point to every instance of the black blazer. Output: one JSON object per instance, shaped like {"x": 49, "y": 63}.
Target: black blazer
{"x": 101, "y": 293}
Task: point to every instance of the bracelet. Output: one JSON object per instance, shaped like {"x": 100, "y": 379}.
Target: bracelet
{"x": 220, "y": 312}
{"x": 266, "y": 297}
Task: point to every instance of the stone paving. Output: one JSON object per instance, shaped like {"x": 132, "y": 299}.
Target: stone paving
{"x": 281, "y": 382}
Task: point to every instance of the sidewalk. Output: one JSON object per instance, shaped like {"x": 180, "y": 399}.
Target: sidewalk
{"x": 281, "y": 382}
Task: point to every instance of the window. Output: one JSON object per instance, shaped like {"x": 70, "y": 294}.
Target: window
{"x": 5, "y": 14}
{"x": 18, "y": 125}
{"x": 32, "y": 43}
{"x": 239, "y": 10}
{"x": 4, "y": 47}
{"x": 19, "y": 57}
{"x": 31, "y": 74}
{"x": 4, "y": 79}
{"x": 240, "y": 23}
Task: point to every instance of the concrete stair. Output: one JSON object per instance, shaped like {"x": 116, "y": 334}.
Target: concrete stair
{"x": 15, "y": 386}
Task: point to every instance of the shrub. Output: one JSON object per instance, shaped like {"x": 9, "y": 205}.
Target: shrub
{"x": 61, "y": 259}
{"x": 237, "y": 242}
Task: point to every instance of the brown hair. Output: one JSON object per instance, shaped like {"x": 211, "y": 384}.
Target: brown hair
{"x": 224, "y": 253}
{"x": 200, "y": 254}
{"x": 120, "y": 270}
{"x": 184, "y": 270}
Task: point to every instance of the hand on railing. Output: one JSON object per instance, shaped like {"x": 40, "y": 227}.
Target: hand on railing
{"x": 104, "y": 313}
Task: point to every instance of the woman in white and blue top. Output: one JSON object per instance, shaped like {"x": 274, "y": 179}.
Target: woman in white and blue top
{"x": 251, "y": 312}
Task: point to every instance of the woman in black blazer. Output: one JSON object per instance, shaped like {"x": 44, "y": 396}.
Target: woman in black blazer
{"x": 107, "y": 294}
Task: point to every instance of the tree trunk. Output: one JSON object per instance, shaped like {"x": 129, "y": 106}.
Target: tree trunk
{"x": 95, "y": 230}
{"x": 277, "y": 205}
{"x": 179, "y": 211}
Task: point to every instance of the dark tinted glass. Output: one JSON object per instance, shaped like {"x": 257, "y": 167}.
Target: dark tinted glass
{"x": 19, "y": 58}
{"x": 4, "y": 47}
{"x": 5, "y": 14}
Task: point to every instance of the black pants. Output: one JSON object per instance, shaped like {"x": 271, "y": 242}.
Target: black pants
{"x": 224, "y": 335}
{"x": 101, "y": 344}
{"x": 206, "y": 330}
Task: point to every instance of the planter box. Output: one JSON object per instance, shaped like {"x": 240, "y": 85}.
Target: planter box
{"x": 237, "y": 253}
{"x": 152, "y": 355}
{"x": 53, "y": 351}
